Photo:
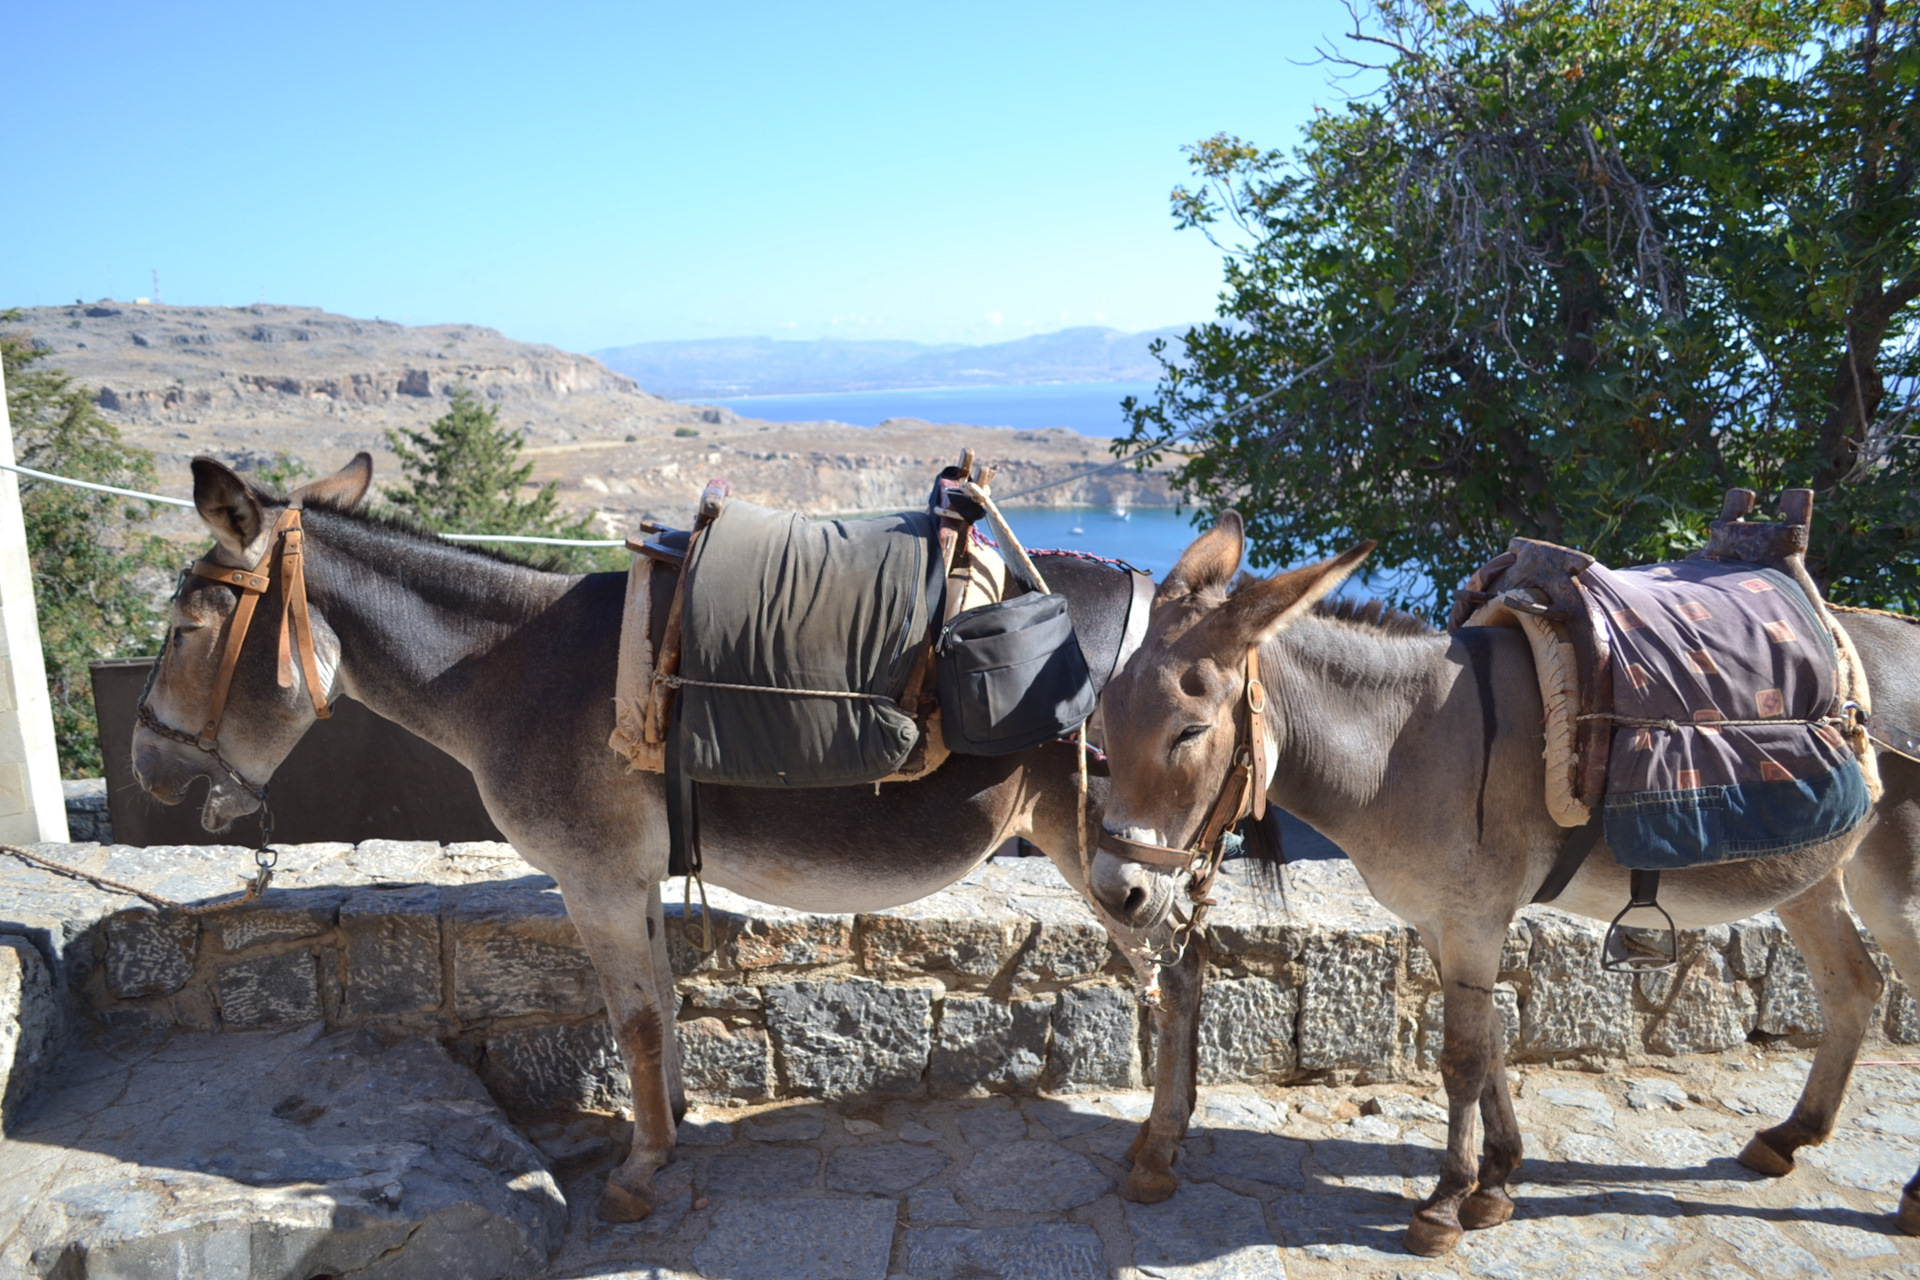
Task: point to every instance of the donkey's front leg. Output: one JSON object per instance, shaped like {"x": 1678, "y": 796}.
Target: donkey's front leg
{"x": 622, "y": 927}
{"x": 1176, "y": 1065}
{"x": 1469, "y": 962}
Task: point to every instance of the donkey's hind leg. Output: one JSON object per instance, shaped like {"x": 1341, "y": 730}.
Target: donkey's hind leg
{"x": 1848, "y": 984}
{"x": 1883, "y": 882}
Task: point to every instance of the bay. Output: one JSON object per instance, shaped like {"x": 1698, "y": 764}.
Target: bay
{"x": 1091, "y": 408}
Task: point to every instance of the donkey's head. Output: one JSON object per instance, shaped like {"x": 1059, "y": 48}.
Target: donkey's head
{"x": 225, "y": 716}
{"x": 1174, "y": 713}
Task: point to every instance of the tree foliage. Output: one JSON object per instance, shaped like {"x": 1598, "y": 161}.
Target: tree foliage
{"x": 1571, "y": 270}
{"x": 100, "y": 575}
{"x": 463, "y": 474}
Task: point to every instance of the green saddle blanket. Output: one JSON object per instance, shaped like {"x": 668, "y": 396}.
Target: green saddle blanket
{"x": 817, "y": 624}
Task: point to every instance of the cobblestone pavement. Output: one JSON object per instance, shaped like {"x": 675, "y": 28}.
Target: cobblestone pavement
{"x": 1627, "y": 1174}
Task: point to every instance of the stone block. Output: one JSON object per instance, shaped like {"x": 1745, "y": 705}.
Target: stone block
{"x": 799, "y": 1238}
{"x": 269, "y": 991}
{"x": 792, "y": 939}
{"x": 1096, "y": 1040}
{"x": 281, "y": 915}
{"x": 1903, "y": 1014}
{"x": 1788, "y": 1005}
{"x": 394, "y": 861}
{"x": 685, "y": 958}
{"x": 724, "y": 1063}
{"x": 903, "y": 946}
{"x": 1433, "y": 1022}
{"x": 1750, "y": 943}
{"x": 1347, "y": 998}
{"x": 1279, "y": 941}
{"x": 1247, "y": 1030}
{"x": 989, "y": 1044}
{"x": 563, "y": 1067}
{"x": 515, "y": 952}
{"x": 1030, "y": 1176}
{"x": 851, "y": 1036}
{"x": 883, "y": 1168}
{"x": 725, "y": 997}
{"x": 1064, "y": 951}
{"x": 1574, "y": 1007}
{"x": 150, "y": 953}
{"x": 393, "y": 951}
{"x": 31, "y": 1024}
{"x": 1702, "y": 1007}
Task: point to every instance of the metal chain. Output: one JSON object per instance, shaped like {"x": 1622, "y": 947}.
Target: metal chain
{"x": 255, "y": 887}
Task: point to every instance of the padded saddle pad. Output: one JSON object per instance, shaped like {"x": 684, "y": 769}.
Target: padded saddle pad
{"x": 1704, "y": 649}
{"x": 778, "y": 601}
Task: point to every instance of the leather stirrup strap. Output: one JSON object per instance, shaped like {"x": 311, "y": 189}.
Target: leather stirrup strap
{"x": 1580, "y": 842}
{"x": 683, "y": 815}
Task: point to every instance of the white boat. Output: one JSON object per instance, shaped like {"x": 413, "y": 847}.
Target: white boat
{"x": 1120, "y": 513}
{"x": 1075, "y": 532}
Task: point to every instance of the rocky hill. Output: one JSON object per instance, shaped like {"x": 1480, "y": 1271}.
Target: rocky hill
{"x": 247, "y": 383}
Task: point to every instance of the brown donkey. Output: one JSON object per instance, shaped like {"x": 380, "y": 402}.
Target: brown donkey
{"x": 511, "y": 671}
{"x": 1376, "y": 733}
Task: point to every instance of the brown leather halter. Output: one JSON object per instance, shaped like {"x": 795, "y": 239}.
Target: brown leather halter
{"x": 1243, "y": 793}
{"x": 296, "y": 626}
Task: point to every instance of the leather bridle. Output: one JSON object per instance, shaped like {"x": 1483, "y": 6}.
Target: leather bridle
{"x": 296, "y": 628}
{"x": 1242, "y": 794}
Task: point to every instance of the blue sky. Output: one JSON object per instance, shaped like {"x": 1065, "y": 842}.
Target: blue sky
{"x": 590, "y": 175}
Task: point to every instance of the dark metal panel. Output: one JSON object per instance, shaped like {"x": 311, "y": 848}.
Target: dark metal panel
{"x": 353, "y": 777}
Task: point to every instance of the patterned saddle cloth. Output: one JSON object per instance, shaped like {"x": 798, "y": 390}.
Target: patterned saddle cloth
{"x": 1727, "y": 703}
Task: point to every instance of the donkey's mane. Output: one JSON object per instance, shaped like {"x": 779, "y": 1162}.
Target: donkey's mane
{"x": 400, "y": 526}
{"x": 1375, "y": 615}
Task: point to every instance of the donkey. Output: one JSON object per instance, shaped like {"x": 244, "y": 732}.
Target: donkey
{"x": 511, "y": 671}
{"x": 1377, "y": 733}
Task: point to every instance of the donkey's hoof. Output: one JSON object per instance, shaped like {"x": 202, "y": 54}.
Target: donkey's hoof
{"x": 1487, "y": 1207}
{"x": 617, "y": 1204}
{"x": 1431, "y": 1237}
{"x": 1909, "y": 1218}
{"x": 1150, "y": 1183}
{"x": 1761, "y": 1156}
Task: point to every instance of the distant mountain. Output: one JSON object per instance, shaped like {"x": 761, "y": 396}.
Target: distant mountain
{"x": 717, "y": 368}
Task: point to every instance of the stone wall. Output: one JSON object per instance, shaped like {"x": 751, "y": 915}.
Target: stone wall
{"x": 1002, "y": 983}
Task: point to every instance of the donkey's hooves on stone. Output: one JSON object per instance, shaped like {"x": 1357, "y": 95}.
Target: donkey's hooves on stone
{"x": 1139, "y": 1141}
{"x": 1485, "y": 1208}
{"x": 1761, "y": 1156}
{"x": 1909, "y": 1218}
{"x": 617, "y": 1204}
{"x": 1150, "y": 1184}
{"x": 1432, "y": 1237}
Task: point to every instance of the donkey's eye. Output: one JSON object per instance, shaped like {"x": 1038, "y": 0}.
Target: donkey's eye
{"x": 1191, "y": 732}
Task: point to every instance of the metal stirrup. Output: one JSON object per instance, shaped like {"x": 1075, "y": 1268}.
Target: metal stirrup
{"x": 1644, "y": 892}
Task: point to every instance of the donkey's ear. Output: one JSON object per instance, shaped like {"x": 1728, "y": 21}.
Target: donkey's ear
{"x": 1211, "y": 561}
{"x": 228, "y": 504}
{"x": 342, "y": 490}
{"x": 1260, "y": 609}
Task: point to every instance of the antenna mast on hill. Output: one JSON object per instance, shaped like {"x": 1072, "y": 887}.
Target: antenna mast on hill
{"x": 156, "y": 286}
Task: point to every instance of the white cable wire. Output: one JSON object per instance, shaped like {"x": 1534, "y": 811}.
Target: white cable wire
{"x": 185, "y": 502}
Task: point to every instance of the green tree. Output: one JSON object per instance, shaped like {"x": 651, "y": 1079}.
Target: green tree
{"x": 100, "y": 575}
{"x": 1572, "y": 269}
{"x": 463, "y": 474}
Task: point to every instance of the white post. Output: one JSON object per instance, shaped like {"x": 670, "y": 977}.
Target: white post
{"x": 32, "y": 805}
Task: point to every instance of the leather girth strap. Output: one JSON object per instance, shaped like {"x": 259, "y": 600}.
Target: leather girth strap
{"x": 1580, "y": 842}
{"x": 296, "y": 622}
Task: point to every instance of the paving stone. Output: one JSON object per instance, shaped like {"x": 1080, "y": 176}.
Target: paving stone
{"x": 150, "y": 953}
{"x": 1401, "y": 1107}
{"x": 1068, "y": 1117}
{"x": 988, "y": 1044}
{"x": 1764, "y": 1249}
{"x": 393, "y": 951}
{"x": 1868, "y": 1161}
{"x": 1204, "y": 1232}
{"x": 1096, "y": 1040}
{"x": 276, "y": 1156}
{"x": 1864, "y": 1236}
{"x": 1433, "y": 1022}
{"x": 1575, "y": 1007}
{"x": 1031, "y": 1177}
{"x": 935, "y": 1204}
{"x": 704, "y": 1131}
{"x": 788, "y": 1124}
{"x": 558, "y": 1067}
{"x": 32, "y": 1026}
{"x": 1656, "y": 1095}
{"x": 1591, "y": 1103}
{"x": 1788, "y": 1005}
{"x": 1583, "y": 1238}
{"x": 885, "y": 1168}
{"x": 985, "y": 1126}
{"x": 901, "y": 946}
{"x": 1346, "y": 998}
{"x": 1361, "y": 1230}
{"x": 914, "y": 1131}
{"x": 269, "y": 991}
{"x": 1224, "y": 1110}
{"x": 1247, "y": 1030}
{"x": 762, "y": 1171}
{"x": 516, "y": 952}
{"x": 1258, "y": 1156}
{"x": 799, "y": 1239}
{"x": 721, "y": 1062}
{"x": 855, "y": 1036}
{"x": 281, "y": 915}
{"x": 1053, "y": 1250}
